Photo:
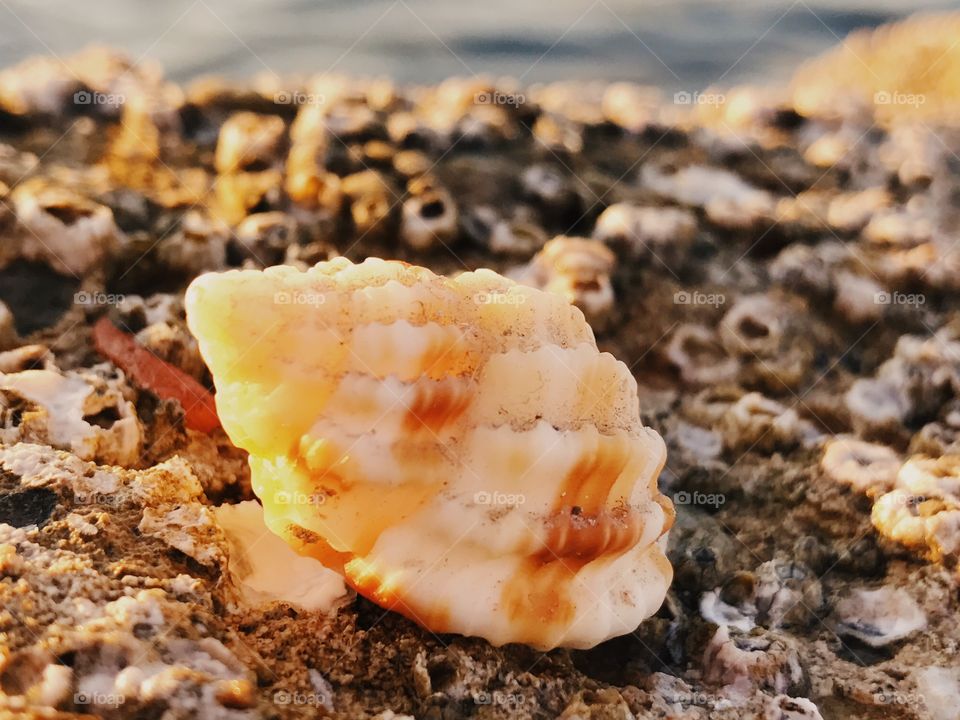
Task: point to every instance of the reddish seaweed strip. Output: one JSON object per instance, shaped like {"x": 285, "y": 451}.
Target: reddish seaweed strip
{"x": 148, "y": 371}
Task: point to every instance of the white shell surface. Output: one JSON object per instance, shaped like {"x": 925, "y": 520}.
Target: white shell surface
{"x": 458, "y": 449}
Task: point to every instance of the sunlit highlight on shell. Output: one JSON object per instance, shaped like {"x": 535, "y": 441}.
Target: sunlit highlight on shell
{"x": 458, "y": 449}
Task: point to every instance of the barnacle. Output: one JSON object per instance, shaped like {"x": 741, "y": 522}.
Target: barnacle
{"x": 755, "y": 422}
{"x": 878, "y": 616}
{"x": 199, "y": 245}
{"x": 579, "y": 270}
{"x": 727, "y": 200}
{"x": 923, "y": 511}
{"x": 85, "y": 411}
{"x": 696, "y": 352}
{"x": 865, "y": 467}
{"x": 249, "y": 142}
{"x": 762, "y": 330}
{"x": 458, "y": 449}
{"x": 429, "y": 215}
{"x": 69, "y": 232}
{"x": 665, "y": 233}
{"x": 514, "y": 236}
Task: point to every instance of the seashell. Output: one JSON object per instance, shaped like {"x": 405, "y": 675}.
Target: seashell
{"x": 87, "y": 412}
{"x": 577, "y": 269}
{"x": 399, "y": 431}
{"x": 67, "y": 231}
{"x": 695, "y": 350}
{"x": 865, "y": 467}
{"x": 879, "y": 616}
{"x": 428, "y": 217}
{"x": 249, "y": 142}
{"x": 662, "y": 232}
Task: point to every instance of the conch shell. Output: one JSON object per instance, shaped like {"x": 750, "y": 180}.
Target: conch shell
{"x": 457, "y": 448}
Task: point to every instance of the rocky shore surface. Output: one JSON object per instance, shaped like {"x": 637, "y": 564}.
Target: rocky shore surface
{"x": 779, "y": 268}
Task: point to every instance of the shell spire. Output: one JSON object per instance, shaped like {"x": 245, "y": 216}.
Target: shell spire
{"x": 458, "y": 449}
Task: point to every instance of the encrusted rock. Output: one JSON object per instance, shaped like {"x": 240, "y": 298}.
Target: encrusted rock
{"x": 89, "y": 412}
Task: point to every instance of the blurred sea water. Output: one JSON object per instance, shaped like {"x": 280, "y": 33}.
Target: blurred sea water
{"x": 677, "y": 45}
